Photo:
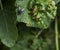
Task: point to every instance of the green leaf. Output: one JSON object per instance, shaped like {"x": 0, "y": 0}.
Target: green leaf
{"x": 23, "y": 17}
{"x": 8, "y": 30}
{"x": 22, "y": 3}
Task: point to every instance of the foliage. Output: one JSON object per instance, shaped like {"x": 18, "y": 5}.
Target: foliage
{"x": 37, "y": 13}
{"x": 29, "y": 24}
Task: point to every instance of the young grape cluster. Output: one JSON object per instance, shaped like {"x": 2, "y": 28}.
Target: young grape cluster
{"x": 41, "y": 10}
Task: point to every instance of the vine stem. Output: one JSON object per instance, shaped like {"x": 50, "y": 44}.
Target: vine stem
{"x": 1, "y": 5}
{"x": 39, "y": 33}
{"x": 56, "y": 33}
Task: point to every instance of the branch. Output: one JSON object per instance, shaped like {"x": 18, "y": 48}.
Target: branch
{"x": 56, "y": 32}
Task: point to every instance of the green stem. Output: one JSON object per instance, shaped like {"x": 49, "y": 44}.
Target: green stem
{"x": 39, "y": 33}
{"x": 56, "y": 31}
{"x": 1, "y": 5}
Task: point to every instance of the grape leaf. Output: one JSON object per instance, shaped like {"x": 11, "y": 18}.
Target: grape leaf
{"x": 22, "y": 3}
{"x": 8, "y": 30}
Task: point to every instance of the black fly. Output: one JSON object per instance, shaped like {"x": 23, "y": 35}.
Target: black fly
{"x": 20, "y": 11}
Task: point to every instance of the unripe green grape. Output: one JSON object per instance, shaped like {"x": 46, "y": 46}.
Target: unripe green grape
{"x": 30, "y": 4}
{"x": 42, "y": 10}
{"x": 41, "y": 7}
{"x": 52, "y": 3}
{"x": 43, "y": 1}
{"x": 38, "y": 15}
{"x": 35, "y": 9}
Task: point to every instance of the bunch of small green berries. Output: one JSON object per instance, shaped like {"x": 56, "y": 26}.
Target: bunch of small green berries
{"x": 42, "y": 10}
